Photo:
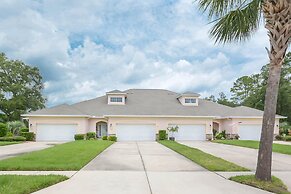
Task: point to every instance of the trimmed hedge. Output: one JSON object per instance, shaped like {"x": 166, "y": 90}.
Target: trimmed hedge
{"x": 15, "y": 138}
{"x": 287, "y": 138}
{"x": 30, "y": 136}
{"x": 162, "y": 134}
{"x": 104, "y": 138}
{"x": 3, "y": 130}
{"x": 24, "y": 129}
{"x": 79, "y": 136}
{"x": 91, "y": 135}
{"x": 112, "y": 138}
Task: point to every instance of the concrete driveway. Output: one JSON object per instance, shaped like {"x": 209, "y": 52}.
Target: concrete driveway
{"x": 246, "y": 157}
{"x": 145, "y": 168}
{"x": 9, "y": 151}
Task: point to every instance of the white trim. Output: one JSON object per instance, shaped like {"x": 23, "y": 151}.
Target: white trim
{"x": 119, "y": 93}
{"x": 155, "y": 116}
{"x": 27, "y": 115}
{"x": 247, "y": 117}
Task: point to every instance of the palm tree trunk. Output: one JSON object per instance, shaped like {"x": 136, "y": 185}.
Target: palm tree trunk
{"x": 278, "y": 22}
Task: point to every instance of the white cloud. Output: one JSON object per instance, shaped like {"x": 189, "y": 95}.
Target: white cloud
{"x": 87, "y": 48}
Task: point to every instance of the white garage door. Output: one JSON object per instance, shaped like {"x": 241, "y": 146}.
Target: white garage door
{"x": 55, "y": 132}
{"x": 249, "y": 132}
{"x": 134, "y": 132}
{"x": 190, "y": 132}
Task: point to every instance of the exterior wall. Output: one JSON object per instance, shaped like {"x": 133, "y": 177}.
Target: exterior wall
{"x": 81, "y": 122}
{"x": 231, "y": 126}
{"x": 161, "y": 123}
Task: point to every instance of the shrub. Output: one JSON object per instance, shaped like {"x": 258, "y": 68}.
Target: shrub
{"x": 15, "y": 126}
{"x": 104, "y": 138}
{"x": 162, "y": 134}
{"x": 18, "y": 138}
{"x": 279, "y": 137}
{"x": 6, "y": 138}
{"x": 214, "y": 131}
{"x": 79, "y": 136}
{"x": 236, "y": 136}
{"x": 91, "y": 135}
{"x": 9, "y": 134}
{"x": 112, "y": 138}
{"x": 287, "y": 138}
{"x": 30, "y": 136}
{"x": 24, "y": 129}
{"x": 3, "y": 129}
{"x": 221, "y": 135}
{"x": 15, "y": 138}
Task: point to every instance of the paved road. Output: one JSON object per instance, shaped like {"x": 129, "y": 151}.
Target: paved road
{"x": 246, "y": 157}
{"x": 9, "y": 151}
{"x": 146, "y": 168}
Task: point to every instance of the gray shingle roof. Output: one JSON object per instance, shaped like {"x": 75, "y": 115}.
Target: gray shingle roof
{"x": 190, "y": 94}
{"x": 144, "y": 102}
{"x": 63, "y": 109}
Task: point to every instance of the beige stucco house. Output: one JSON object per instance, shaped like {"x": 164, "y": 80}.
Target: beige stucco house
{"x": 138, "y": 114}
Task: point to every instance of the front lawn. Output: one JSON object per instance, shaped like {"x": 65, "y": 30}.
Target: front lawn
{"x": 205, "y": 160}
{"x": 4, "y": 143}
{"x": 280, "y": 148}
{"x": 68, "y": 156}
{"x": 275, "y": 186}
{"x": 16, "y": 184}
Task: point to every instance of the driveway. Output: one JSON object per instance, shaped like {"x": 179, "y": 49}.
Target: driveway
{"x": 145, "y": 168}
{"x": 9, "y": 151}
{"x": 246, "y": 157}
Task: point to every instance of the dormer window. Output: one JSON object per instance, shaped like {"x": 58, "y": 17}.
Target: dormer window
{"x": 115, "y": 99}
{"x": 190, "y": 100}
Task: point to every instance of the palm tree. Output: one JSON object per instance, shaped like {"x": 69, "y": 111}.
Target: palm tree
{"x": 237, "y": 20}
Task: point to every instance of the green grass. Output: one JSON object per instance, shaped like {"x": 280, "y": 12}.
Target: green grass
{"x": 68, "y": 156}
{"x": 205, "y": 160}
{"x": 22, "y": 184}
{"x": 274, "y": 186}
{"x": 4, "y": 143}
{"x": 279, "y": 148}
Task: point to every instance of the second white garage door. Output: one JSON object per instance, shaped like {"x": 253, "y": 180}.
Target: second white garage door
{"x": 190, "y": 132}
{"x": 55, "y": 132}
{"x": 249, "y": 132}
{"x": 135, "y": 132}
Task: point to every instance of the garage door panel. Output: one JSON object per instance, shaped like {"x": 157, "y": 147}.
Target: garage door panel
{"x": 135, "y": 132}
{"x": 190, "y": 132}
{"x": 250, "y": 132}
{"x": 55, "y": 132}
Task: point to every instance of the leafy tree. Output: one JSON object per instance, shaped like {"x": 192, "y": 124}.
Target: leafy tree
{"x": 244, "y": 87}
{"x": 222, "y": 99}
{"x": 20, "y": 88}
{"x": 237, "y": 20}
{"x": 256, "y": 95}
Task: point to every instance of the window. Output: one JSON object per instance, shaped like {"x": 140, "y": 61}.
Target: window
{"x": 190, "y": 100}
{"x": 116, "y": 99}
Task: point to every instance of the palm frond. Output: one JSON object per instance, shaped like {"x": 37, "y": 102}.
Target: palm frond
{"x": 238, "y": 24}
{"x": 218, "y": 8}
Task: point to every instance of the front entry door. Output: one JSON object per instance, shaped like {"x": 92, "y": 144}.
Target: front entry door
{"x": 102, "y": 129}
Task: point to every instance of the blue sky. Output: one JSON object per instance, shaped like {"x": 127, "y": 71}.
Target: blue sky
{"x": 84, "y": 49}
